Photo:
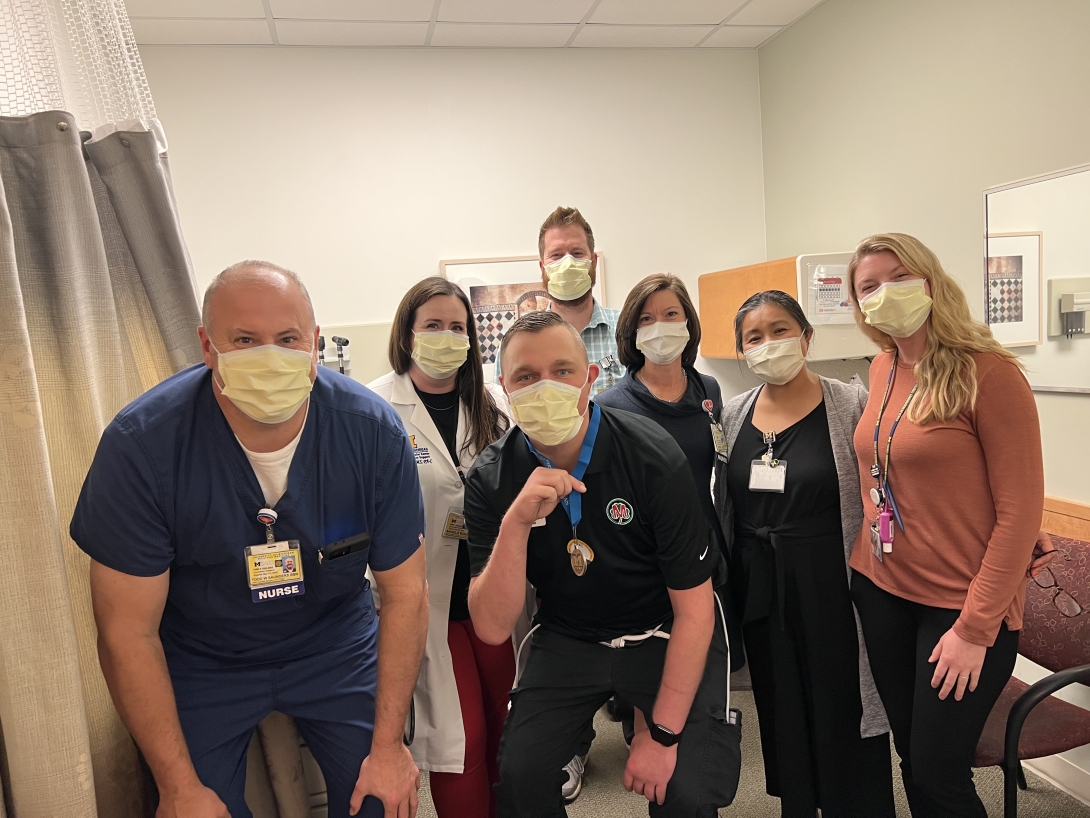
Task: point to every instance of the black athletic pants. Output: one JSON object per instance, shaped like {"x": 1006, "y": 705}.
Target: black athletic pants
{"x": 936, "y": 739}
{"x": 564, "y": 684}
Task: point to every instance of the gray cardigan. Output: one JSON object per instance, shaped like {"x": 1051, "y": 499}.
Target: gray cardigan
{"x": 844, "y": 405}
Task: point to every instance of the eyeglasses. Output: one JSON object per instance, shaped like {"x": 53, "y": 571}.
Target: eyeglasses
{"x": 1066, "y": 604}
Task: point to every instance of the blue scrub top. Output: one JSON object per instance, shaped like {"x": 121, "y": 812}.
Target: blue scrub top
{"x": 171, "y": 488}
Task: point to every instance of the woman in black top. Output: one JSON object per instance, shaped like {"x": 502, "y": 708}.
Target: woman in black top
{"x": 658, "y": 333}
{"x": 790, "y": 502}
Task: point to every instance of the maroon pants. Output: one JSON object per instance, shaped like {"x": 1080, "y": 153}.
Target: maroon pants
{"x": 484, "y": 675}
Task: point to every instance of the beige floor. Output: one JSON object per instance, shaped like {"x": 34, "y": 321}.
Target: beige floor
{"x": 604, "y": 797}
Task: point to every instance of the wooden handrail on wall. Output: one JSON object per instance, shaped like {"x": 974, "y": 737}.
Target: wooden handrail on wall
{"x": 722, "y": 293}
{"x": 1066, "y": 518}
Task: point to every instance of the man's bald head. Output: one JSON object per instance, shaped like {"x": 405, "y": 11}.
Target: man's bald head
{"x": 250, "y": 274}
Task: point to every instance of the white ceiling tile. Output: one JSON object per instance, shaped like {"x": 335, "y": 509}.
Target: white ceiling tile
{"x": 599, "y": 36}
{"x": 201, "y": 32}
{"x": 740, "y": 36}
{"x": 773, "y": 12}
{"x": 377, "y": 10}
{"x": 665, "y": 12}
{"x": 514, "y": 11}
{"x": 474, "y": 35}
{"x": 309, "y": 32}
{"x": 195, "y": 8}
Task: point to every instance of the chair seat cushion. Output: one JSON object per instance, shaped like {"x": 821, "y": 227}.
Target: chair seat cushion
{"x": 1053, "y": 726}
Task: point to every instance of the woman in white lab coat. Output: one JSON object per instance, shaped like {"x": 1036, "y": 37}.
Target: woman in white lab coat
{"x": 450, "y": 414}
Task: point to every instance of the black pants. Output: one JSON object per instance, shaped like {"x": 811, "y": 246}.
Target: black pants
{"x": 564, "y": 684}
{"x": 803, "y": 655}
{"x": 935, "y": 738}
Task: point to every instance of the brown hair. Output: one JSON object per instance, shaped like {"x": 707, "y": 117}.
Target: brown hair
{"x": 562, "y": 217}
{"x": 538, "y": 321}
{"x": 486, "y": 422}
{"x": 629, "y": 320}
{"x": 947, "y": 371}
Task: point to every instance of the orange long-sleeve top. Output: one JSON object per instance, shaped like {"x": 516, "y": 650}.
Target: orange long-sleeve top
{"x": 970, "y": 492}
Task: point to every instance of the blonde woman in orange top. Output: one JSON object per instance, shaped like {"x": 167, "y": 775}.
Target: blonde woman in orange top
{"x": 950, "y": 465}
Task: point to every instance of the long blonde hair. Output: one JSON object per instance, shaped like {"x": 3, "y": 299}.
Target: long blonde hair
{"x": 946, "y": 372}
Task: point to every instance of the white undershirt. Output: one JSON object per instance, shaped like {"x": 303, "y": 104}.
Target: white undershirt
{"x": 272, "y": 468}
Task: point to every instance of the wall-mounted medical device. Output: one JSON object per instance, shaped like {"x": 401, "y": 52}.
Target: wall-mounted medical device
{"x": 1068, "y": 303}
{"x": 1073, "y": 307}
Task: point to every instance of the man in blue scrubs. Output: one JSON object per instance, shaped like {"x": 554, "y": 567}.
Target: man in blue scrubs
{"x": 204, "y": 513}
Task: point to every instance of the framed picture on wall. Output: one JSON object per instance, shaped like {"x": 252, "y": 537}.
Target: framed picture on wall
{"x": 1013, "y": 288}
{"x": 500, "y": 291}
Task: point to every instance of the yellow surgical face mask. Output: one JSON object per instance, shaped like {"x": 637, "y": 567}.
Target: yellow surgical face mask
{"x": 440, "y": 354}
{"x": 569, "y": 278}
{"x": 547, "y": 411}
{"x": 267, "y": 383}
{"x": 897, "y": 308}
{"x": 777, "y": 362}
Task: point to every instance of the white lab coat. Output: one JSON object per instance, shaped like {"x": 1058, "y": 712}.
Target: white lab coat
{"x": 439, "y": 744}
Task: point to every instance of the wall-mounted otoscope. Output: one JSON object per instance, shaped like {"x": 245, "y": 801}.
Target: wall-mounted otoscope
{"x": 321, "y": 350}
{"x": 341, "y": 344}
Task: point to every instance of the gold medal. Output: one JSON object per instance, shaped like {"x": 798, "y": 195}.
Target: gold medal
{"x": 581, "y": 555}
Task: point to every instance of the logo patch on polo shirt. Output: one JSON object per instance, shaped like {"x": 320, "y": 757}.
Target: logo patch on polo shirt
{"x": 619, "y": 511}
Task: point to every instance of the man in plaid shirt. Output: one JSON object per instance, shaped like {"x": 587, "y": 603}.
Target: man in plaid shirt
{"x": 565, "y": 244}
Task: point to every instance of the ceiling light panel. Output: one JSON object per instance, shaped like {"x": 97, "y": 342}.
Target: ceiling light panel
{"x": 661, "y": 12}
{"x": 201, "y": 32}
{"x": 196, "y": 8}
{"x": 475, "y": 35}
{"x": 740, "y": 36}
{"x": 773, "y": 12}
{"x": 375, "y": 10}
{"x": 598, "y": 36}
{"x": 514, "y": 11}
{"x": 350, "y": 32}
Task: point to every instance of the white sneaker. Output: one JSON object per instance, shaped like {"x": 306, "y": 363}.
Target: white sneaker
{"x": 574, "y": 785}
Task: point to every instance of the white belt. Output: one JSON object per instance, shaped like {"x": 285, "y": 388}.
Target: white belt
{"x": 636, "y": 638}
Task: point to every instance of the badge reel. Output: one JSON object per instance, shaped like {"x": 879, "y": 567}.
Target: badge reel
{"x": 768, "y": 473}
{"x": 274, "y": 569}
{"x": 719, "y": 438}
{"x": 608, "y": 365}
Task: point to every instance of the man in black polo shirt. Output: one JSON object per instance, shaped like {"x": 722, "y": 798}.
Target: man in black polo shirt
{"x": 597, "y": 508}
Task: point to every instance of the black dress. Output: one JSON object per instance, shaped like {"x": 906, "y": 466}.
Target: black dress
{"x": 799, "y": 629}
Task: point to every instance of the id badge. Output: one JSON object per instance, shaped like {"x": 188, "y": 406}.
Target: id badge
{"x": 875, "y": 542}
{"x": 455, "y": 526}
{"x": 720, "y": 441}
{"x": 275, "y": 570}
{"x": 767, "y": 475}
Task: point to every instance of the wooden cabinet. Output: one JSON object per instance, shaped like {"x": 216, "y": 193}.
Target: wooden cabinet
{"x": 811, "y": 279}
{"x": 722, "y": 293}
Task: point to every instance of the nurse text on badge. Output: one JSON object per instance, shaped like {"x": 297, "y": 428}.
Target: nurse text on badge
{"x": 275, "y": 570}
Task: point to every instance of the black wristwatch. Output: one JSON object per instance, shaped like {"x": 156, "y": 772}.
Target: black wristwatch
{"x": 664, "y": 736}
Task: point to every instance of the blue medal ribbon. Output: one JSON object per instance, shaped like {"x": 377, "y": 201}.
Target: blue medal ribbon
{"x": 573, "y": 503}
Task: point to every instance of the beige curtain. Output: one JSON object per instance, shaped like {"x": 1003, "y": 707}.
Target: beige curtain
{"x": 97, "y": 305}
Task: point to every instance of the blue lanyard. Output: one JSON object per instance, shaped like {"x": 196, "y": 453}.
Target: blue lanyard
{"x": 573, "y": 503}
{"x": 884, "y": 489}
